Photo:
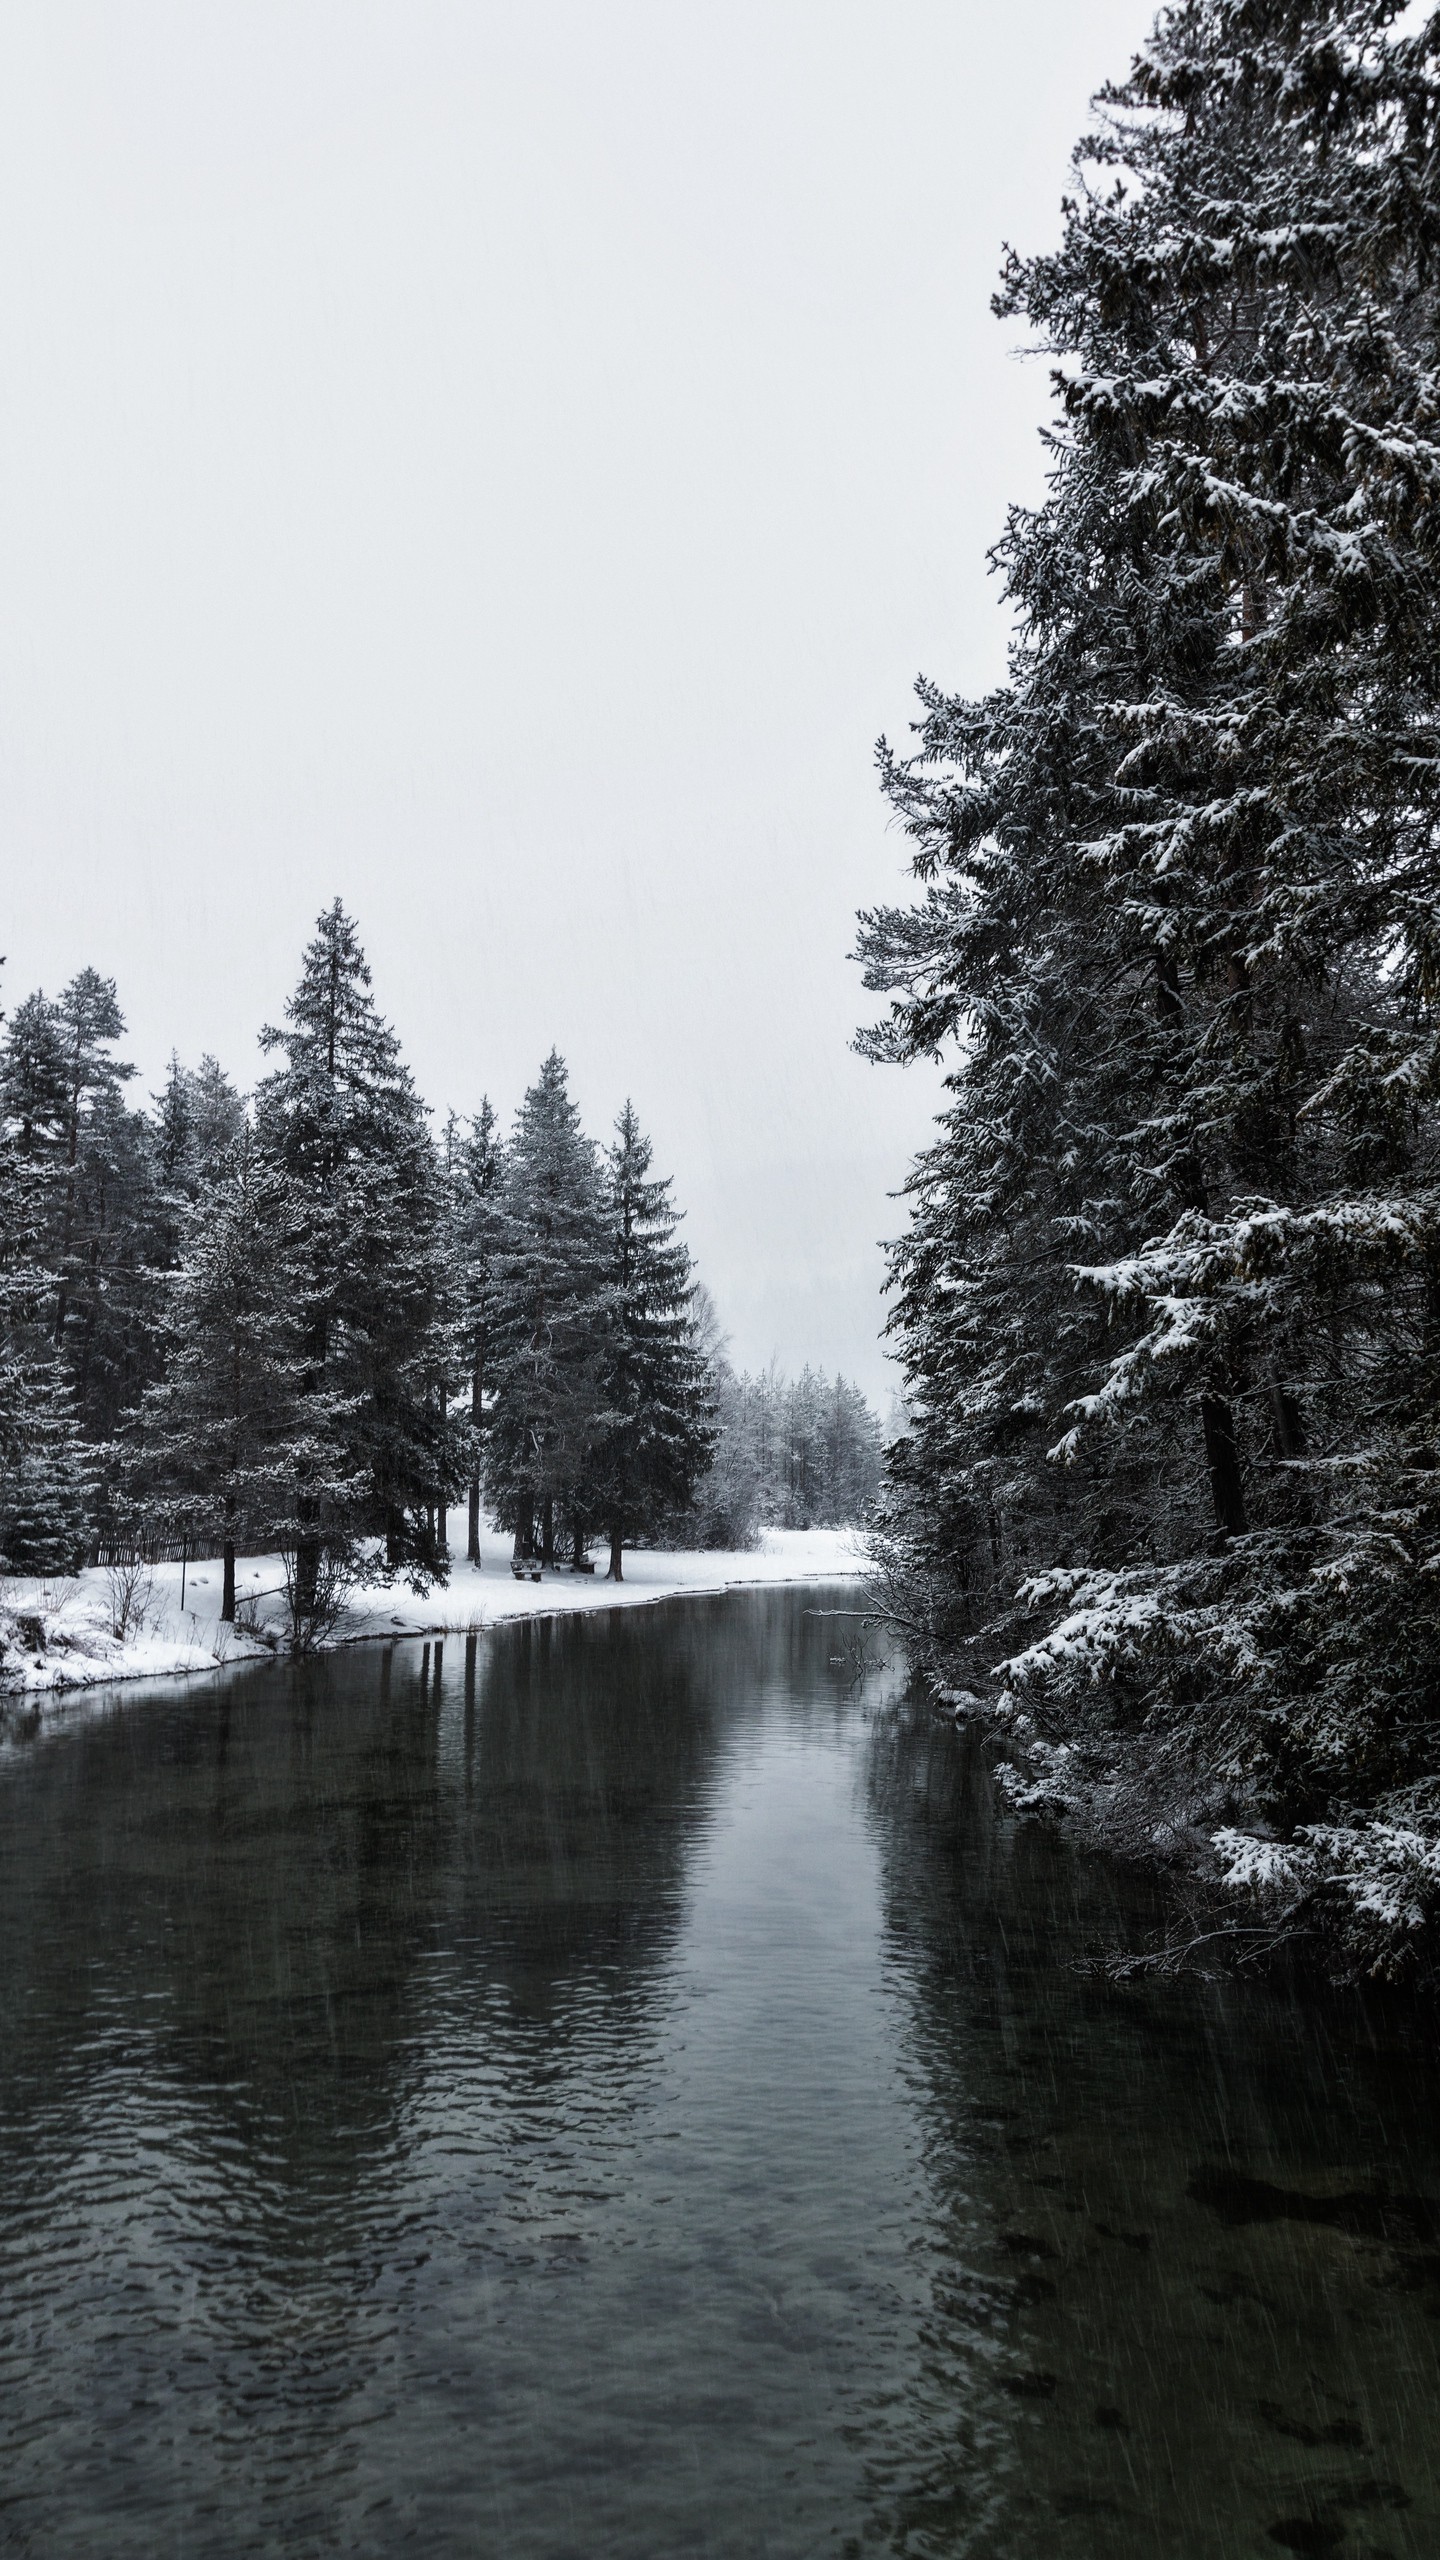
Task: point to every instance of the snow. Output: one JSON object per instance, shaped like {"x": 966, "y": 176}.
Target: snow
{"x": 1253, "y": 1865}
{"x": 81, "y": 1649}
{"x": 1388, "y": 1872}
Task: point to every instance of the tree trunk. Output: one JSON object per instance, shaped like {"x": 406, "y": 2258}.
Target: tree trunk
{"x": 227, "y": 1586}
{"x": 1168, "y": 1007}
{"x": 547, "y": 1530}
{"x": 1287, "y": 1424}
{"x": 577, "y": 1544}
{"x": 1223, "y": 1460}
{"x": 477, "y": 1412}
{"x": 307, "y": 1579}
{"x": 616, "y": 1573}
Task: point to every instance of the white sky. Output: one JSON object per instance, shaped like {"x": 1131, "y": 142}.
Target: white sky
{"x": 504, "y": 464}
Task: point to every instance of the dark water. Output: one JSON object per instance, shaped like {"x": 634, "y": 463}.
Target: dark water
{"x": 627, "y": 2096}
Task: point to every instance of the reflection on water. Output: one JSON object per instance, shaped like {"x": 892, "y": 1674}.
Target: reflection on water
{"x": 623, "y": 2094}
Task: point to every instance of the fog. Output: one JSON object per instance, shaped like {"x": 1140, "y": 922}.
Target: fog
{"x": 503, "y": 466}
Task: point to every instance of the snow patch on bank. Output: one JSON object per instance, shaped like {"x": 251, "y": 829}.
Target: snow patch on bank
{"x": 78, "y": 1647}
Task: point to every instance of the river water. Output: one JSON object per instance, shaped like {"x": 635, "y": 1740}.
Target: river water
{"x": 624, "y": 2093}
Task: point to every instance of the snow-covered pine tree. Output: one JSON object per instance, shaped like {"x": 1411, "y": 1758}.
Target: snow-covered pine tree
{"x": 232, "y": 1444}
{"x": 63, "y": 1093}
{"x": 852, "y": 1453}
{"x": 32, "y": 1119}
{"x": 655, "y": 1427}
{"x": 197, "y": 1124}
{"x": 174, "y": 1128}
{"x": 199, "y": 1121}
{"x": 341, "y": 1119}
{"x": 476, "y": 1165}
{"x": 732, "y": 1499}
{"x": 121, "y": 1242}
{"x": 45, "y": 1477}
{"x": 33, "y": 1082}
{"x": 217, "y": 1118}
{"x": 550, "y": 1280}
{"x": 88, "y": 1021}
{"x": 1167, "y": 1301}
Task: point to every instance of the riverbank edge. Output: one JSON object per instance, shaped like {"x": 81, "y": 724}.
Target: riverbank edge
{"x": 1238, "y": 1898}
{"x": 79, "y": 1650}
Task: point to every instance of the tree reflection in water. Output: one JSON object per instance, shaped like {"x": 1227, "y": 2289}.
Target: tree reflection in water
{"x": 624, "y": 2093}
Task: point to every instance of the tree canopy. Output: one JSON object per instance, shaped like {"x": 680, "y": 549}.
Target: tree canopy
{"x": 1169, "y": 1295}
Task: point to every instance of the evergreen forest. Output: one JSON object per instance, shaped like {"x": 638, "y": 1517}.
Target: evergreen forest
{"x": 304, "y": 1321}
{"x": 1167, "y": 1510}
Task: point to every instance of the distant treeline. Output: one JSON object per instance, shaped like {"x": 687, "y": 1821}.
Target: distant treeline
{"x": 302, "y": 1321}
{"x": 791, "y": 1453}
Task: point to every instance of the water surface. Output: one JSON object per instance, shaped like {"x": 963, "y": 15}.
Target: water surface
{"x": 625, "y": 2094}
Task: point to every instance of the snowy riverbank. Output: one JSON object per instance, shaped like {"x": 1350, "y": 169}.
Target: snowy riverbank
{"x": 79, "y": 1648}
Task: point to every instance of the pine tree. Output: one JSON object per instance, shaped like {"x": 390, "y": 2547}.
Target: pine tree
{"x": 175, "y": 1130}
{"x": 654, "y": 1431}
{"x": 476, "y": 1164}
{"x": 104, "y": 1229}
{"x": 198, "y": 1126}
{"x": 1167, "y": 1297}
{"x": 93, "y": 1187}
{"x": 851, "y": 1455}
{"x": 217, "y": 1118}
{"x": 549, "y": 1281}
{"x": 33, "y": 1082}
{"x": 341, "y": 1119}
{"x": 88, "y": 1021}
{"x": 199, "y": 1122}
{"x": 229, "y": 1445}
{"x": 45, "y": 1479}
{"x": 121, "y": 1242}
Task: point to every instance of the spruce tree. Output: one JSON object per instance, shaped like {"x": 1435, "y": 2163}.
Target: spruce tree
{"x": 198, "y": 1126}
{"x": 45, "y": 1477}
{"x": 340, "y": 1118}
{"x": 199, "y": 1122}
{"x": 92, "y": 1189}
{"x": 122, "y": 1239}
{"x": 1167, "y": 1297}
{"x": 88, "y": 1022}
{"x": 229, "y": 1446}
{"x": 549, "y": 1284}
{"x": 63, "y": 1092}
{"x": 476, "y": 1163}
{"x": 175, "y": 1129}
{"x": 850, "y": 1455}
{"x": 33, "y": 1082}
{"x": 217, "y": 1118}
{"x": 654, "y": 1432}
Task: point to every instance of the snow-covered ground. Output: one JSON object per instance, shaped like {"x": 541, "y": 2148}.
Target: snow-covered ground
{"x": 80, "y": 1647}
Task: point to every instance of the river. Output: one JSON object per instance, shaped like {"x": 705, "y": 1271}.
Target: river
{"x": 623, "y": 2092}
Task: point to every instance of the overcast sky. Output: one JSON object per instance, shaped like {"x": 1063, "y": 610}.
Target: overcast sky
{"x": 503, "y": 464}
